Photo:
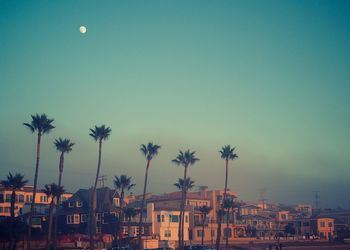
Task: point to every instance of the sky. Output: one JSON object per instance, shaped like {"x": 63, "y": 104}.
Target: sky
{"x": 268, "y": 77}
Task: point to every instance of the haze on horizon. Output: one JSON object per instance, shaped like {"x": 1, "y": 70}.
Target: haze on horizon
{"x": 269, "y": 77}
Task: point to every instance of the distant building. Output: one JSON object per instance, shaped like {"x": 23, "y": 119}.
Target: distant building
{"x": 24, "y": 196}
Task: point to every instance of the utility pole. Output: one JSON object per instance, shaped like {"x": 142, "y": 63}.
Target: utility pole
{"x": 262, "y": 192}
{"x": 102, "y": 180}
{"x": 317, "y": 199}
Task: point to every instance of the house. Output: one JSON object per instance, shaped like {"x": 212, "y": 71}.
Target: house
{"x": 165, "y": 222}
{"x": 323, "y": 227}
{"x": 73, "y": 216}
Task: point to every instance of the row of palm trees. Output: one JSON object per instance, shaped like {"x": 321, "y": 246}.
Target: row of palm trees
{"x": 42, "y": 125}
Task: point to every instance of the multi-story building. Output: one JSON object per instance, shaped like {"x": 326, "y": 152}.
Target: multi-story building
{"x": 323, "y": 227}
{"x": 24, "y": 196}
{"x": 165, "y": 222}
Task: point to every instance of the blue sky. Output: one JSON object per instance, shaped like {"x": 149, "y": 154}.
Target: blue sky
{"x": 269, "y": 77}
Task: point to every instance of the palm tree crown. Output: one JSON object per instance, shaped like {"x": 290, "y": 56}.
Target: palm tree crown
{"x": 204, "y": 209}
{"x": 150, "y": 150}
{"x": 14, "y": 182}
{"x": 123, "y": 182}
{"x": 184, "y": 185}
{"x": 40, "y": 123}
{"x": 227, "y": 153}
{"x": 130, "y": 212}
{"x": 100, "y": 133}
{"x": 185, "y": 158}
{"x": 63, "y": 145}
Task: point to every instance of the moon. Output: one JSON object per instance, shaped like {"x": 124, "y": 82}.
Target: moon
{"x": 82, "y": 29}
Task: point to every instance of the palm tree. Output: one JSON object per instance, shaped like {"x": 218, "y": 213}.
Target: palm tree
{"x": 227, "y": 153}
{"x": 64, "y": 146}
{"x": 205, "y": 210}
{"x": 42, "y": 125}
{"x": 13, "y": 182}
{"x": 150, "y": 151}
{"x": 184, "y": 159}
{"x": 52, "y": 191}
{"x": 99, "y": 134}
{"x": 121, "y": 183}
{"x": 184, "y": 185}
{"x": 130, "y": 213}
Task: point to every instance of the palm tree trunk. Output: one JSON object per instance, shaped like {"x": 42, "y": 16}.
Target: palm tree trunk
{"x": 129, "y": 226}
{"x": 182, "y": 212}
{"x": 218, "y": 238}
{"x": 49, "y": 231}
{"x": 121, "y": 215}
{"x": 34, "y": 190}
{"x": 143, "y": 204}
{"x": 12, "y": 218}
{"x": 61, "y": 164}
{"x": 227, "y": 226}
{"x": 233, "y": 222}
{"x": 203, "y": 222}
{"x": 92, "y": 219}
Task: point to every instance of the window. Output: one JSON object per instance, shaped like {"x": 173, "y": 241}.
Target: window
{"x": 29, "y": 198}
{"x": 21, "y": 198}
{"x": 174, "y": 218}
{"x": 330, "y": 224}
{"x": 73, "y": 219}
{"x": 70, "y": 219}
{"x": 1, "y": 209}
{"x": 8, "y": 198}
{"x": 200, "y": 233}
{"x": 116, "y": 202}
{"x": 283, "y": 216}
{"x": 162, "y": 218}
{"x": 43, "y": 198}
{"x": 98, "y": 217}
{"x": 158, "y": 217}
{"x": 322, "y": 224}
{"x": 79, "y": 204}
{"x": 84, "y": 218}
{"x": 7, "y": 209}
{"x": 71, "y": 204}
{"x": 167, "y": 233}
{"x": 125, "y": 230}
{"x": 105, "y": 218}
{"x": 186, "y": 218}
{"x": 1, "y": 198}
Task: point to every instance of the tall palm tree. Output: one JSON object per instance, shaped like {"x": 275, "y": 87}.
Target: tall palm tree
{"x": 150, "y": 151}
{"x": 130, "y": 213}
{"x": 205, "y": 210}
{"x": 227, "y": 153}
{"x": 99, "y": 134}
{"x": 14, "y": 183}
{"x": 64, "y": 146}
{"x": 121, "y": 183}
{"x": 184, "y": 159}
{"x": 42, "y": 125}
